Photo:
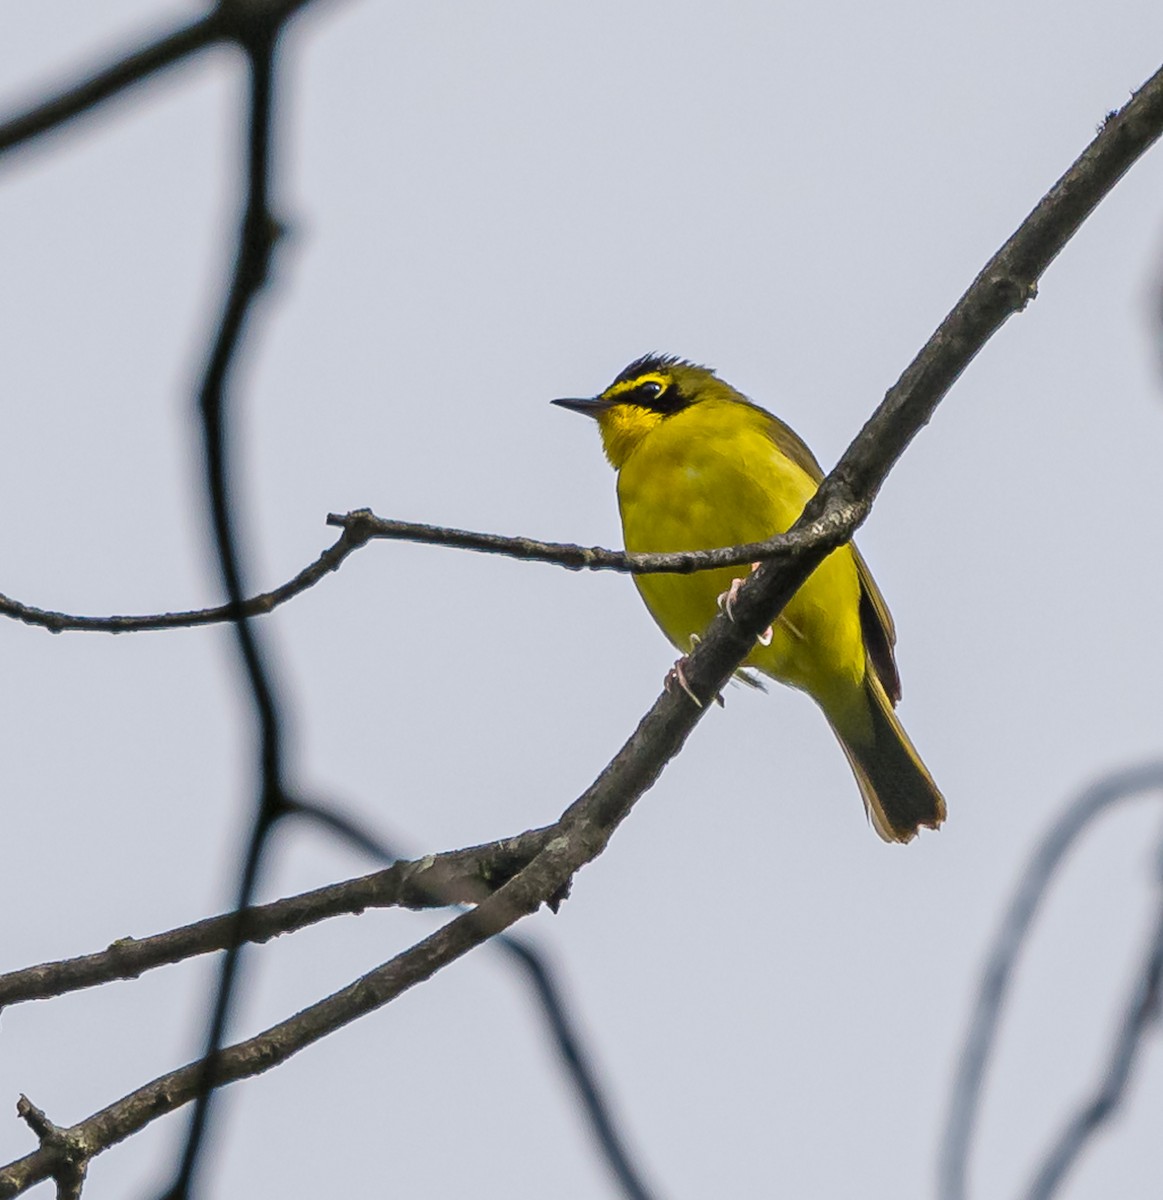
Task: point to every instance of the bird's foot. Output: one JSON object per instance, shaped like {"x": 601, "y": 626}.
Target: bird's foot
{"x": 726, "y": 603}
{"x": 677, "y": 675}
{"x": 726, "y": 600}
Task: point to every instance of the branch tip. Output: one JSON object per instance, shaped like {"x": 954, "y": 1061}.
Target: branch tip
{"x": 67, "y": 1149}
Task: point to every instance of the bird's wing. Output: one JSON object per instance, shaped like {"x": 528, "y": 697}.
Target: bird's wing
{"x": 879, "y": 630}
{"x": 875, "y": 620}
{"x": 788, "y": 441}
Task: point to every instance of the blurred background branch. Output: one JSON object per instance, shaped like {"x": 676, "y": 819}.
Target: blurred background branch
{"x": 997, "y": 976}
{"x": 226, "y": 21}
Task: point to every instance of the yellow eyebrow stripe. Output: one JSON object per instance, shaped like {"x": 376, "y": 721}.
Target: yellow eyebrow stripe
{"x": 630, "y": 385}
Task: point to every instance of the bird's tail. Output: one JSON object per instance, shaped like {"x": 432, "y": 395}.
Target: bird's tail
{"x": 899, "y": 793}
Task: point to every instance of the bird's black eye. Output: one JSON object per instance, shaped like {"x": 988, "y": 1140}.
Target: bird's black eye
{"x": 659, "y": 395}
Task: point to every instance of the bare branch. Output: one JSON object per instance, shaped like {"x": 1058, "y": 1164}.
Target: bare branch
{"x": 435, "y": 881}
{"x": 831, "y": 531}
{"x": 965, "y": 1098}
{"x": 362, "y": 525}
{"x": 1005, "y": 285}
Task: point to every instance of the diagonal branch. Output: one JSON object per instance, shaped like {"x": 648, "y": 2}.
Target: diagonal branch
{"x": 1003, "y": 287}
{"x": 576, "y": 1062}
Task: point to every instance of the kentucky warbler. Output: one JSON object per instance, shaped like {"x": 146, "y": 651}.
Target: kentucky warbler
{"x": 700, "y": 467}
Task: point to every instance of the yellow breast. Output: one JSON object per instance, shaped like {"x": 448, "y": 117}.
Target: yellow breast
{"x": 712, "y": 475}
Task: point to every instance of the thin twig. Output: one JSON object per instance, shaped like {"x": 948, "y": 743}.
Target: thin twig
{"x": 362, "y": 525}
{"x": 965, "y": 1097}
{"x": 59, "y": 622}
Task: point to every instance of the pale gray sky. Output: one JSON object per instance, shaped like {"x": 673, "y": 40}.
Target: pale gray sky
{"x": 494, "y": 205}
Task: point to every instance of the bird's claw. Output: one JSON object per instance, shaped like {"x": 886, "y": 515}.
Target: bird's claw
{"x": 726, "y": 603}
{"x": 726, "y": 600}
{"x": 676, "y": 674}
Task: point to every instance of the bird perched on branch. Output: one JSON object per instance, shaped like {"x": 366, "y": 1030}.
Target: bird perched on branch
{"x": 700, "y": 467}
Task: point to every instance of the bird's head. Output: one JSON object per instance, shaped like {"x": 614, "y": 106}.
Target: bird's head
{"x": 649, "y": 391}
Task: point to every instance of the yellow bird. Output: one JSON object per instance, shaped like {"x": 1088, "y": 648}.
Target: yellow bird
{"x": 701, "y": 467}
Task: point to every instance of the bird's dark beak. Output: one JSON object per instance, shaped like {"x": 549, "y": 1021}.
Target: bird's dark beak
{"x": 592, "y": 408}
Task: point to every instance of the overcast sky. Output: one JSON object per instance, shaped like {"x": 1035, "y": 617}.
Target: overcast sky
{"x": 492, "y": 205}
